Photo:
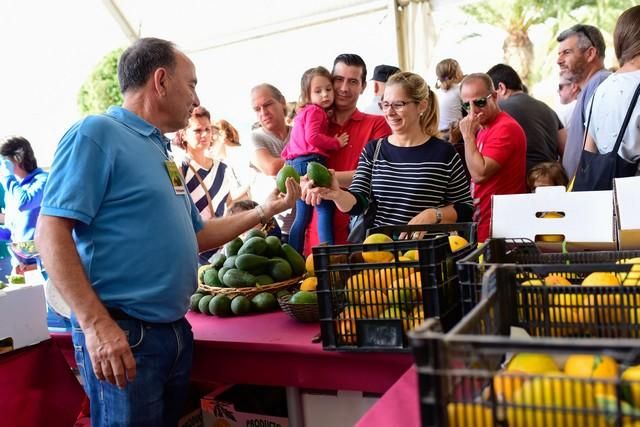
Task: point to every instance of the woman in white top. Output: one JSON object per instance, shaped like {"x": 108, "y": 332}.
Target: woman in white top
{"x": 613, "y": 97}
{"x": 448, "y": 93}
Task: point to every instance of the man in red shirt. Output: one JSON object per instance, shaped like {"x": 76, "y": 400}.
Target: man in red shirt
{"x": 349, "y": 81}
{"x": 495, "y": 148}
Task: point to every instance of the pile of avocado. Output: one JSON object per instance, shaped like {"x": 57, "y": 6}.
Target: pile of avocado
{"x": 257, "y": 261}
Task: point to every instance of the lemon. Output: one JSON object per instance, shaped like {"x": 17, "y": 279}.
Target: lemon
{"x": 457, "y": 242}
{"x": 377, "y": 256}
{"x": 309, "y": 284}
{"x": 308, "y": 264}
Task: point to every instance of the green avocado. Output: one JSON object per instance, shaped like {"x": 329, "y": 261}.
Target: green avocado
{"x": 318, "y": 174}
{"x": 284, "y": 173}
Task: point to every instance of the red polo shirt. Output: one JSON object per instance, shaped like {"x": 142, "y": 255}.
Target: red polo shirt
{"x": 361, "y": 128}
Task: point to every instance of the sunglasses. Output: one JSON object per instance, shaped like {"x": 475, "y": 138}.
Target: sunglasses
{"x": 480, "y": 102}
{"x": 584, "y": 30}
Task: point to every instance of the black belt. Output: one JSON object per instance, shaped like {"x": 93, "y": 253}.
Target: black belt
{"x": 117, "y": 314}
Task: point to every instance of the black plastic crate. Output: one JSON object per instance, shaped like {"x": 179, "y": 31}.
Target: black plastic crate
{"x": 369, "y": 306}
{"x": 472, "y": 268}
{"x": 467, "y": 230}
{"x": 461, "y": 379}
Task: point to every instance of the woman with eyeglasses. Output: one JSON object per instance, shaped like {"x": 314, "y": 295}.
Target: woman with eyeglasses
{"x": 613, "y": 97}
{"x": 412, "y": 176}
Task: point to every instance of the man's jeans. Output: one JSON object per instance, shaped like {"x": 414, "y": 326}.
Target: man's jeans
{"x": 163, "y": 354}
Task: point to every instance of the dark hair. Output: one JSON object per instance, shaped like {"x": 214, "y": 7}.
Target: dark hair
{"x": 626, "y": 35}
{"x": 354, "y": 60}
{"x": 139, "y": 61}
{"x": 587, "y": 35}
{"x": 305, "y": 83}
{"x": 19, "y": 150}
{"x": 198, "y": 112}
{"x": 502, "y": 73}
{"x": 552, "y": 170}
{"x": 449, "y": 73}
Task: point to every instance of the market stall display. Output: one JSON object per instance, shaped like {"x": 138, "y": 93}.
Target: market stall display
{"x": 371, "y": 294}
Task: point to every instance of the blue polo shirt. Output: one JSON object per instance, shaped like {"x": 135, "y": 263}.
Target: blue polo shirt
{"x": 136, "y": 238}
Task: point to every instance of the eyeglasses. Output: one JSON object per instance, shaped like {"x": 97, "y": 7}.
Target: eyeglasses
{"x": 480, "y": 102}
{"x": 397, "y": 106}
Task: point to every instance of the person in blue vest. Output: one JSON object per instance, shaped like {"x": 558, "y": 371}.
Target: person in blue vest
{"x": 23, "y": 183}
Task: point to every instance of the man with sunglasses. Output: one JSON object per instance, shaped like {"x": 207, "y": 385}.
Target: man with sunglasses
{"x": 495, "y": 148}
{"x": 581, "y": 61}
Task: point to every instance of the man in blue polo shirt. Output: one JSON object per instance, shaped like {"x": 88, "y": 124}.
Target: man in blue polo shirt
{"x": 119, "y": 237}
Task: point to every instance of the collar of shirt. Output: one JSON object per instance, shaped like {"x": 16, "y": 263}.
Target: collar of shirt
{"x": 137, "y": 124}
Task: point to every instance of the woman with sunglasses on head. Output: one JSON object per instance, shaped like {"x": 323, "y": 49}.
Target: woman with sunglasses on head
{"x": 412, "y": 176}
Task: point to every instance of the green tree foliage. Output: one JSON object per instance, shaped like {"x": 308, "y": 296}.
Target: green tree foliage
{"x": 516, "y": 17}
{"x": 101, "y": 89}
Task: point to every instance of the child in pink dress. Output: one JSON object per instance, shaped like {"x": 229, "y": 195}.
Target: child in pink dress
{"x": 310, "y": 142}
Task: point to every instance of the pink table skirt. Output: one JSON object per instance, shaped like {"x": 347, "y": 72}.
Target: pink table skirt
{"x": 273, "y": 349}
{"x": 399, "y": 406}
{"x": 37, "y": 388}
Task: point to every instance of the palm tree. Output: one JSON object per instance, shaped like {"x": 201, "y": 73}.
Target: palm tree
{"x": 516, "y": 18}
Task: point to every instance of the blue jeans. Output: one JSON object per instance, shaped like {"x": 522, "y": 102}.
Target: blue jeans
{"x": 304, "y": 211}
{"x": 163, "y": 353}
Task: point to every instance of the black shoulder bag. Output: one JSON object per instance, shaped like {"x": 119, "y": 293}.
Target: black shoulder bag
{"x": 596, "y": 171}
{"x": 361, "y": 223}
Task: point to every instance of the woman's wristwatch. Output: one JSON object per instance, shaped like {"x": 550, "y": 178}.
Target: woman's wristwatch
{"x": 438, "y": 215}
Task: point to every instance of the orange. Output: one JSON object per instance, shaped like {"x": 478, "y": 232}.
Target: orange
{"x": 507, "y": 383}
{"x": 462, "y": 414}
{"x": 373, "y": 303}
{"x": 602, "y": 308}
{"x": 346, "y": 324}
{"x": 593, "y": 366}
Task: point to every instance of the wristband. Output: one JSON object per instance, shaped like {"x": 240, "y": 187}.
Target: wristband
{"x": 263, "y": 218}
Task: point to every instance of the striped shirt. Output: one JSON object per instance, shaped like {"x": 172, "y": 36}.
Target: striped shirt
{"x": 220, "y": 182}
{"x": 407, "y": 180}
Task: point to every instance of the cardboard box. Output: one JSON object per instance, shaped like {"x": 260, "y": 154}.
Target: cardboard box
{"x": 341, "y": 408}
{"x": 245, "y": 406}
{"x": 627, "y": 206}
{"x": 192, "y": 419}
{"x": 23, "y": 315}
{"x": 584, "y": 220}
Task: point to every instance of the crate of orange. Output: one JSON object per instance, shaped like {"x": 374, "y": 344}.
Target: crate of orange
{"x": 371, "y": 294}
{"x": 549, "y": 345}
{"x": 473, "y": 266}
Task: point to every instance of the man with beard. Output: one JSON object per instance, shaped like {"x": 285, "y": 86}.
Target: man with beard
{"x": 581, "y": 61}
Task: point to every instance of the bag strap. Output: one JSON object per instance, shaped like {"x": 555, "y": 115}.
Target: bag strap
{"x": 625, "y": 123}
{"x": 623, "y": 129}
{"x": 204, "y": 187}
{"x": 376, "y": 152}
